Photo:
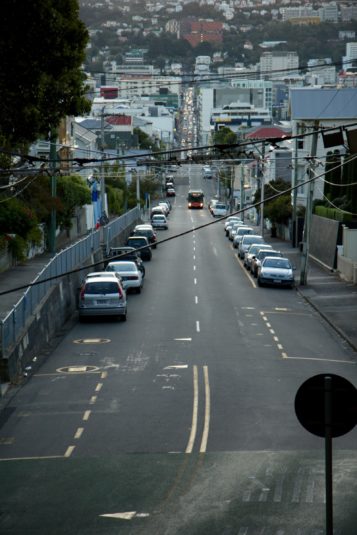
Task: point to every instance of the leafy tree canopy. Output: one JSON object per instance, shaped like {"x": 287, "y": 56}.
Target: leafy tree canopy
{"x": 42, "y": 47}
{"x": 279, "y": 209}
{"x": 225, "y": 136}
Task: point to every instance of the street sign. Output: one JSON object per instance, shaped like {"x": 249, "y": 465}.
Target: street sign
{"x": 311, "y": 405}
{"x": 326, "y": 405}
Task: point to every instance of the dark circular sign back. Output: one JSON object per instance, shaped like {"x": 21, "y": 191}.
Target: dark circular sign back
{"x": 313, "y": 396}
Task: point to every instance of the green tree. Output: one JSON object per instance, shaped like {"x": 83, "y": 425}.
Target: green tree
{"x": 42, "y": 48}
{"x": 72, "y": 192}
{"x": 19, "y": 227}
{"x": 116, "y": 188}
{"x": 225, "y": 136}
{"x": 278, "y": 209}
{"x": 148, "y": 185}
{"x": 145, "y": 141}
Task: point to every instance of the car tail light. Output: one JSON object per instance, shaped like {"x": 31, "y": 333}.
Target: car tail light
{"x": 120, "y": 292}
{"x": 81, "y": 296}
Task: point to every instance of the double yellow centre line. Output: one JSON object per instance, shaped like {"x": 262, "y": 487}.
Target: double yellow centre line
{"x": 207, "y": 412}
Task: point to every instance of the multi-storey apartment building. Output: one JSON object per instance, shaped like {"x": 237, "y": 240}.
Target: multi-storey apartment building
{"x": 274, "y": 64}
{"x": 254, "y": 93}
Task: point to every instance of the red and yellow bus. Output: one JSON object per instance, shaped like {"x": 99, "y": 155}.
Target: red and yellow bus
{"x": 195, "y": 198}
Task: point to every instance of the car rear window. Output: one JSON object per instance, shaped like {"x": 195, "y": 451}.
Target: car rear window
{"x": 121, "y": 266}
{"x": 221, "y": 206}
{"x": 137, "y": 242}
{"x": 143, "y": 232}
{"x": 277, "y": 263}
{"x": 252, "y": 239}
{"x": 101, "y": 287}
{"x": 243, "y": 231}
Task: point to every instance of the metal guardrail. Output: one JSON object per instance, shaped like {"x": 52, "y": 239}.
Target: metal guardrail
{"x": 70, "y": 258}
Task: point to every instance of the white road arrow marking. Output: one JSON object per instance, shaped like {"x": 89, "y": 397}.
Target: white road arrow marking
{"x": 177, "y": 367}
{"x": 126, "y": 516}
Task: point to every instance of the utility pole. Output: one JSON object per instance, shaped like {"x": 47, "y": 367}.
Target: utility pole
{"x": 295, "y": 181}
{"x": 102, "y": 177}
{"x": 262, "y": 193}
{"x": 138, "y": 190}
{"x": 231, "y": 200}
{"x": 308, "y": 212}
{"x": 242, "y": 190}
{"x": 53, "y": 223}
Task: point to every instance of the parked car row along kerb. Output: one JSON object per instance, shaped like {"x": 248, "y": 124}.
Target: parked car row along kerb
{"x": 104, "y": 293}
{"x": 266, "y": 264}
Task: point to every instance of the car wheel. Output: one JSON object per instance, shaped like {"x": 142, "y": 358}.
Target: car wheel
{"x": 259, "y": 283}
{"x": 123, "y": 317}
{"x": 138, "y": 290}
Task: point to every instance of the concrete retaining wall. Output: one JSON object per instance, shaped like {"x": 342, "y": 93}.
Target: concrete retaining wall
{"x": 59, "y": 305}
{"x": 46, "y": 323}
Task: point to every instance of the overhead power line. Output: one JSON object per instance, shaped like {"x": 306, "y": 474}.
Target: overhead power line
{"x": 179, "y": 235}
{"x": 170, "y": 152}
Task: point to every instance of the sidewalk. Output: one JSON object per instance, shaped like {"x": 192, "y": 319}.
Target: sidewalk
{"x": 334, "y": 299}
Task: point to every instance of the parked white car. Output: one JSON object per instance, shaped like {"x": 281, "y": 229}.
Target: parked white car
{"x": 219, "y": 210}
{"x": 129, "y": 272}
{"x": 159, "y": 221}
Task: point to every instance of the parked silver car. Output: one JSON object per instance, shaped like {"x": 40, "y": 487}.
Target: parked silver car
{"x": 247, "y": 240}
{"x": 129, "y": 272}
{"x": 159, "y": 221}
{"x": 253, "y": 249}
{"x": 102, "y": 296}
{"x": 233, "y": 230}
{"x": 241, "y": 231}
{"x": 259, "y": 257}
{"x": 232, "y": 219}
{"x": 276, "y": 271}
